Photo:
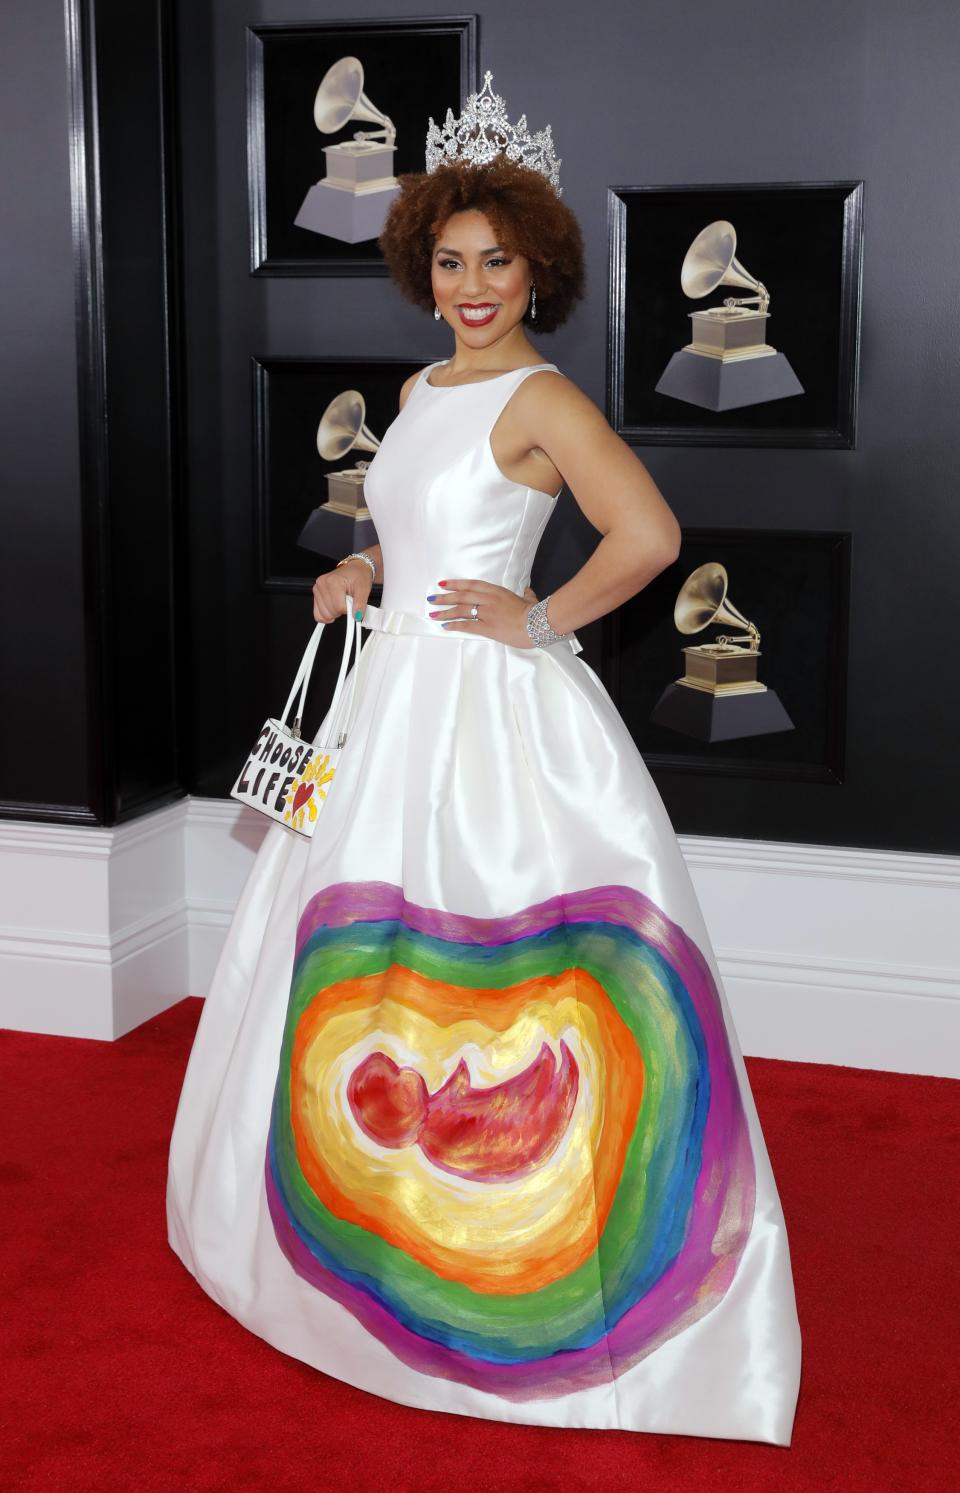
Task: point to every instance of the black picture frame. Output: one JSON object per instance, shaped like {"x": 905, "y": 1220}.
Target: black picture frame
{"x": 805, "y": 241}
{"x": 289, "y": 396}
{"x": 434, "y": 62}
{"x": 795, "y": 587}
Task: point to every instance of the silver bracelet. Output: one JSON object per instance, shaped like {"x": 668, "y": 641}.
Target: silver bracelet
{"x": 359, "y": 555}
{"x": 538, "y": 625}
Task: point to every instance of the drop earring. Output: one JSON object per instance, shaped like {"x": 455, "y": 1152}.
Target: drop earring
{"x": 533, "y": 302}
{"x": 436, "y": 312}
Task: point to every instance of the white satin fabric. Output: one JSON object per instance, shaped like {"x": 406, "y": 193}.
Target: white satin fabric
{"x": 481, "y": 779}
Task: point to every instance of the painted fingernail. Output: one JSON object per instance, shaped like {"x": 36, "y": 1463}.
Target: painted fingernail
{"x": 434, "y": 614}
{"x": 441, "y": 583}
{"x": 358, "y": 614}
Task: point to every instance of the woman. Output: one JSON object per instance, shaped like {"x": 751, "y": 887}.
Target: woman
{"x": 466, "y": 1123}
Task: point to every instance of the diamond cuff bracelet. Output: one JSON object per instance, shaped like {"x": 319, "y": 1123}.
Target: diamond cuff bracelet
{"x": 538, "y": 625}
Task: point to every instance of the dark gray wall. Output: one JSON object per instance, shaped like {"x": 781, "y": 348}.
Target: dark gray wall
{"x": 660, "y": 93}
{"x": 90, "y": 355}
{"x": 43, "y": 635}
{"x": 663, "y": 93}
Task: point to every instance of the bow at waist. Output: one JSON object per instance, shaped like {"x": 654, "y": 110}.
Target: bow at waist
{"x": 397, "y": 622}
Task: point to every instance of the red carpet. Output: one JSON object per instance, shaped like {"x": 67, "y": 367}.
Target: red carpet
{"x": 119, "y": 1373}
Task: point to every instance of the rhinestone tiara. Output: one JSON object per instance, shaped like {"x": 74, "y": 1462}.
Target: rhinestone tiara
{"x": 483, "y": 131}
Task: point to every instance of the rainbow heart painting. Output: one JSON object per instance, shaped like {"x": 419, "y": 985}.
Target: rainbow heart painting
{"x": 513, "y": 1148}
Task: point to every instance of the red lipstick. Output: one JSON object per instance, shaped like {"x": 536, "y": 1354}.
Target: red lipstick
{"x": 478, "y": 321}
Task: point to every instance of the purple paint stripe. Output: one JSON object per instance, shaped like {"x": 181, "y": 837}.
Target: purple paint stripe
{"x": 346, "y": 902}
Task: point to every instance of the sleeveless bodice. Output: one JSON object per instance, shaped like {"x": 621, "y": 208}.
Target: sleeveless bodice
{"x": 439, "y": 502}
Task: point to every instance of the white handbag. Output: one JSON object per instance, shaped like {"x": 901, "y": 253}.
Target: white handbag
{"x": 286, "y": 778}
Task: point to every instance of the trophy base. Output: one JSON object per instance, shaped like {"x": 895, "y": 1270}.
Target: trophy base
{"x": 360, "y": 164}
{"x": 729, "y": 332}
{"x": 340, "y": 213}
{"x": 715, "y": 384}
{"x": 709, "y": 717}
{"x": 334, "y": 534}
{"x": 723, "y": 670}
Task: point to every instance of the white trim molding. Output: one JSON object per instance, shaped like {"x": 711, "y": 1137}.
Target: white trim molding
{"x": 836, "y": 955}
{"x": 93, "y": 924}
{"x": 828, "y": 954}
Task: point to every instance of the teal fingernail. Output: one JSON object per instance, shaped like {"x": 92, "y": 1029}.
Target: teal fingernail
{"x": 358, "y": 614}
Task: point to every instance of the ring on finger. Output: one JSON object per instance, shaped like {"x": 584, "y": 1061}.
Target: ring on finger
{"x": 474, "y": 612}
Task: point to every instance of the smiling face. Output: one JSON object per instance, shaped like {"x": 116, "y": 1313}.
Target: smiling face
{"x": 482, "y": 289}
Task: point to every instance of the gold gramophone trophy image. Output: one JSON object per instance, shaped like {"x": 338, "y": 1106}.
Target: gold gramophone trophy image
{"x": 352, "y": 200}
{"x": 719, "y": 696}
{"x": 343, "y": 522}
{"x": 728, "y": 363}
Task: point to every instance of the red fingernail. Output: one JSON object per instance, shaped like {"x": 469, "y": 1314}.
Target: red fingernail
{"x": 441, "y": 583}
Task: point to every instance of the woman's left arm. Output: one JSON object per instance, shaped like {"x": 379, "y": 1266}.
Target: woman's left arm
{"x": 614, "y": 490}
{"x": 550, "y": 419}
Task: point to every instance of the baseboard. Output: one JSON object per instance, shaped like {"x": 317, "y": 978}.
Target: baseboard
{"x": 833, "y": 954}
{"x": 828, "y": 954}
{"x": 94, "y": 938}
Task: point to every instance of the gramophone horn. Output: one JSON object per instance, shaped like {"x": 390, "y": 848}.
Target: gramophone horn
{"x": 703, "y": 599}
{"x": 341, "y": 98}
{"x": 341, "y": 427}
{"x": 711, "y": 260}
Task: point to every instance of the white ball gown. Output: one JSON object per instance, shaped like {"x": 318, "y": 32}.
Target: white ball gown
{"x": 465, "y": 1122}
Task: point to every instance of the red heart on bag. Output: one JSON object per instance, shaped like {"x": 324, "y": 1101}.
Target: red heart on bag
{"x": 301, "y": 796}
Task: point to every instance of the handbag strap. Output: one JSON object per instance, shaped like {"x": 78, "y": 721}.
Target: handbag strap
{"x": 301, "y": 681}
{"x": 341, "y": 735}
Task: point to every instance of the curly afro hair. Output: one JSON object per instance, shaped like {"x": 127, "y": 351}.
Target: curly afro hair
{"x": 529, "y": 218}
